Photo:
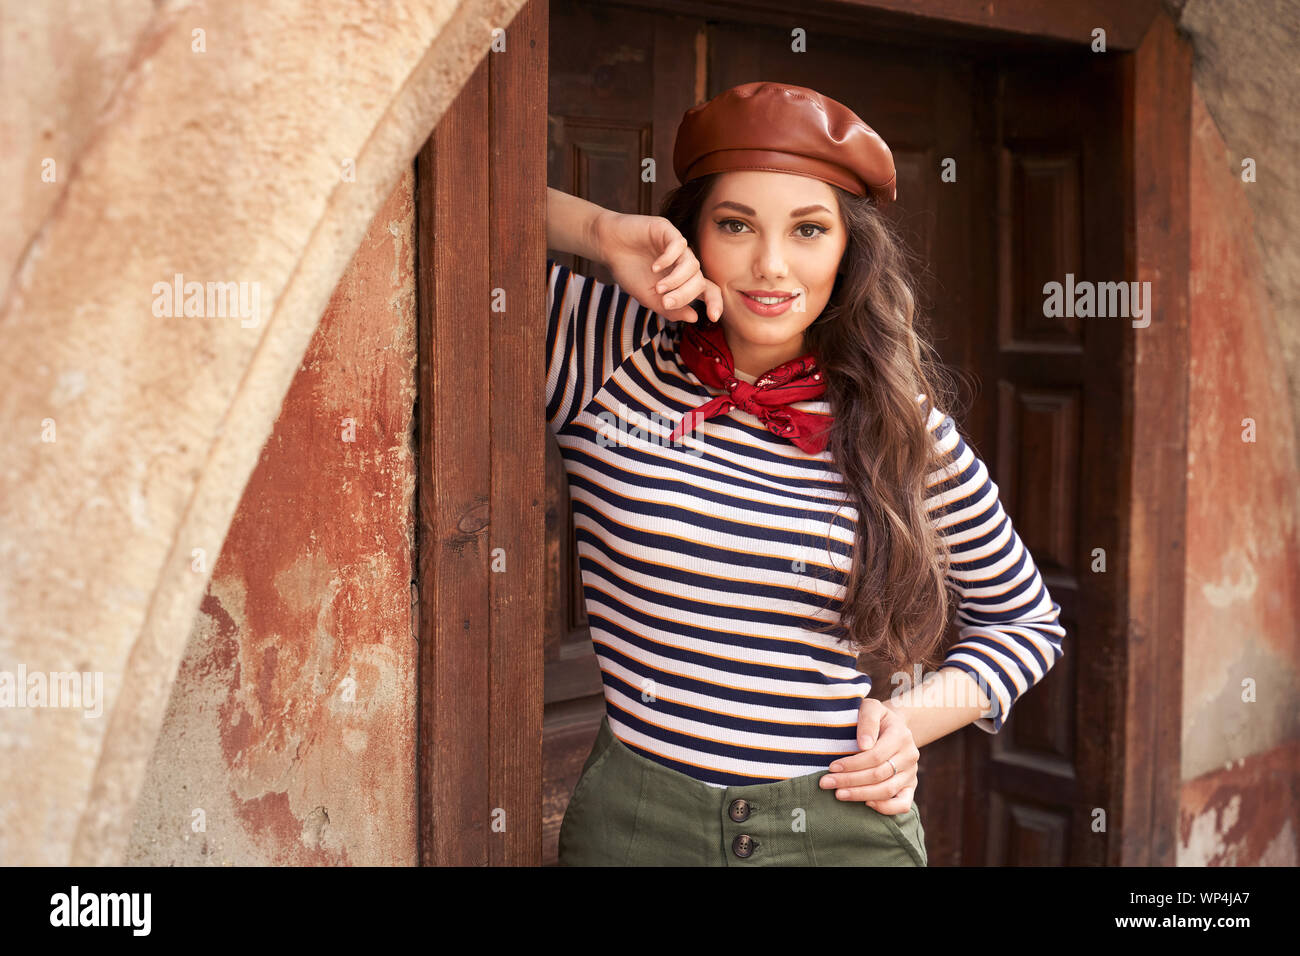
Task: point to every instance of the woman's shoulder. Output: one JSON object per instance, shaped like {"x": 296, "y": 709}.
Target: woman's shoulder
{"x": 935, "y": 417}
{"x": 945, "y": 436}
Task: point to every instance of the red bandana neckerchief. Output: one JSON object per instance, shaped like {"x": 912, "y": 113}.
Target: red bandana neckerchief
{"x": 705, "y": 352}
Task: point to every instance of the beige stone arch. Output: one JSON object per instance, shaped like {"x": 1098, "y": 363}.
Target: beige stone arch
{"x": 221, "y": 164}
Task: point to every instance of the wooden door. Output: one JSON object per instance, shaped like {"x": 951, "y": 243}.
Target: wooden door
{"x": 1022, "y": 132}
{"x": 1052, "y": 414}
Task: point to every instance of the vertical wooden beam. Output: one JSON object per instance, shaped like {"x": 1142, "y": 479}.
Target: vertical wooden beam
{"x": 481, "y": 249}
{"x": 455, "y": 475}
{"x": 517, "y": 178}
{"x": 1159, "y": 130}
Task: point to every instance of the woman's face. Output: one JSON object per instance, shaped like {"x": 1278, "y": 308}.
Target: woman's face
{"x": 774, "y": 235}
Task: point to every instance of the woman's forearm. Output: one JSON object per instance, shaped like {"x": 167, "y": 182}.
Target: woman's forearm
{"x": 571, "y": 224}
{"x": 946, "y": 700}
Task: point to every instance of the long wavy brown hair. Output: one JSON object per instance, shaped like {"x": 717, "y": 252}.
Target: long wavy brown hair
{"x": 872, "y": 344}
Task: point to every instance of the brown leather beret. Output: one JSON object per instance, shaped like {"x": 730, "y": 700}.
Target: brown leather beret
{"x": 787, "y": 129}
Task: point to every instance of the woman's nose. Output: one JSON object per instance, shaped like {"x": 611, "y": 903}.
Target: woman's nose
{"x": 771, "y": 265}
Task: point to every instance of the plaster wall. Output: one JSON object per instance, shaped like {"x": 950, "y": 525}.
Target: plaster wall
{"x": 289, "y": 736}
{"x": 1241, "y": 664}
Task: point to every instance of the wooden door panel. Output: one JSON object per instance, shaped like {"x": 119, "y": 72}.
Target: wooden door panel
{"x": 1044, "y": 241}
{"x": 1057, "y": 378}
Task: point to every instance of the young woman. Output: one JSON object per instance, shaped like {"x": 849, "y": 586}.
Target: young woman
{"x": 764, "y": 485}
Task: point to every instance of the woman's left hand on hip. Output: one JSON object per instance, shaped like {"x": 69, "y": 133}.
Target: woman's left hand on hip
{"x": 883, "y": 775}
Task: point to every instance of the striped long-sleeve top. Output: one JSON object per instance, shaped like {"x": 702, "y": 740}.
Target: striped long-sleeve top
{"x": 706, "y": 559}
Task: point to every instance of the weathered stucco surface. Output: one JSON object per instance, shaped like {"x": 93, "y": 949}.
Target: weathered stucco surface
{"x": 1243, "y": 814}
{"x": 214, "y": 141}
{"x": 1244, "y": 68}
{"x": 1241, "y": 725}
{"x": 290, "y": 733}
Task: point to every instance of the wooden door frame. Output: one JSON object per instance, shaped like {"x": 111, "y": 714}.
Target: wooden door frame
{"x": 480, "y": 494}
{"x": 481, "y": 665}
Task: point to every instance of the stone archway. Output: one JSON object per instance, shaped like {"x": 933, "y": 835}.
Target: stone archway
{"x": 208, "y": 141}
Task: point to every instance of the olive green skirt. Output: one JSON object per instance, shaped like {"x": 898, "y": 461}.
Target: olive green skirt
{"x": 628, "y": 810}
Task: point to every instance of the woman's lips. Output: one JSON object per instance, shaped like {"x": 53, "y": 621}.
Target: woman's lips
{"x": 764, "y": 309}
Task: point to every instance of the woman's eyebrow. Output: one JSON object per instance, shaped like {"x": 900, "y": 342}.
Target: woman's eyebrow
{"x": 741, "y": 208}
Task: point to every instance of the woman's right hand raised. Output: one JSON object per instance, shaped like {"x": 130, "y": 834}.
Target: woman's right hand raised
{"x": 652, "y": 262}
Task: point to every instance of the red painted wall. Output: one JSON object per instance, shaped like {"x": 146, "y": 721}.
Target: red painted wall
{"x": 290, "y": 732}
{"x": 1240, "y": 756}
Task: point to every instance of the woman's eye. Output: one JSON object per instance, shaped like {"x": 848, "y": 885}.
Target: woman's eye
{"x": 726, "y": 224}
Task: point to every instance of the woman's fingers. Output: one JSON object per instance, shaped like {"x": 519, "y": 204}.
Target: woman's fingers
{"x": 872, "y": 776}
{"x": 713, "y": 299}
{"x": 670, "y": 254}
{"x": 894, "y": 744}
{"x": 896, "y": 806}
{"x": 683, "y": 269}
{"x": 884, "y": 774}
{"x": 876, "y": 773}
{"x": 684, "y": 282}
{"x": 686, "y": 292}
{"x": 676, "y": 303}
{"x": 878, "y": 792}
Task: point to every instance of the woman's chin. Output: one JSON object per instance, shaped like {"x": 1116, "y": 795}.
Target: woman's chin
{"x": 765, "y": 333}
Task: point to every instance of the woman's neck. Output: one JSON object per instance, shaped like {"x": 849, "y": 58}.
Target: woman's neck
{"x": 755, "y": 361}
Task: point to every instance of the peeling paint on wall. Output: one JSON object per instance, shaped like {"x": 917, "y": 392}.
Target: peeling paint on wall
{"x": 1243, "y": 557}
{"x": 290, "y": 732}
{"x": 1241, "y": 666}
{"x": 1246, "y": 814}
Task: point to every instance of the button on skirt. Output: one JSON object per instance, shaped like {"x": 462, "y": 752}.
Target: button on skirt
{"x": 628, "y": 810}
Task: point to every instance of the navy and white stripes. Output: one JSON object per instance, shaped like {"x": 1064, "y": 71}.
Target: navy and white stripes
{"x": 706, "y": 560}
